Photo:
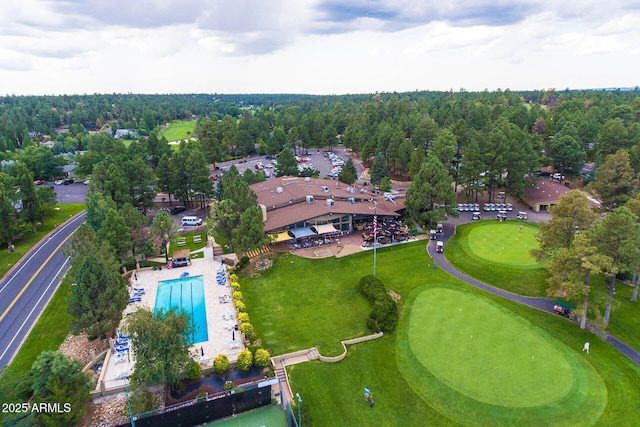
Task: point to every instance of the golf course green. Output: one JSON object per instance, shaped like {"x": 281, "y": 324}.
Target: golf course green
{"x": 483, "y": 365}
{"x": 506, "y": 243}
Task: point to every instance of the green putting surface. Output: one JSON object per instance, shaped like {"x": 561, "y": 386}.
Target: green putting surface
{"x": 504, "y": 243}
{"x": 480, "y": 364}
{"x": 269, "y": 416}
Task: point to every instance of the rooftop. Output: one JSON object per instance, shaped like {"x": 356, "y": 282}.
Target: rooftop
{"x": 286, "y": 202}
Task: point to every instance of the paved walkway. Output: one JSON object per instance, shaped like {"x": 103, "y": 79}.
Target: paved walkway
{"x": 543, "y": 304}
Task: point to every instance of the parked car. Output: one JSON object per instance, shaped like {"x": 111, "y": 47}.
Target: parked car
{"x": 542, "y": 173}
{"x": 178, "y": 209}
{"x": 59, "y": 181}
{"x": 87, "y": 181}
{"x": 38, "y": 182}
{"x": 68, "y": 181}
{"x": 558, "y": 176}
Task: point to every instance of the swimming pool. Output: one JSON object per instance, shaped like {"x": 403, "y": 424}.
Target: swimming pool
{"x": 188, "y": 294}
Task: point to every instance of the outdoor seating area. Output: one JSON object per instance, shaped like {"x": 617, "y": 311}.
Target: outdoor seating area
{"x": 388, "y": 231}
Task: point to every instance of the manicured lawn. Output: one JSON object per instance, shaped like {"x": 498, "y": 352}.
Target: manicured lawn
{"x": 504, "y": 243}
{"x": 301, "y": 303}
{"x": 424, "y": 355}
{"x": 179, "y": 130}
{"x": 47, "y": 334}
{"x": 477, "y": 250}
{"x": 470, "y": 356}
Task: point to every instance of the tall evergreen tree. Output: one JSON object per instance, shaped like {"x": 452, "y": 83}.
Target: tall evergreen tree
{"x": 379, "y": 169}
{"x": 97, "y": 299}
{"x": 287, "y": 164}
{"x": 31, "y": 209}
{"x": 430, "y": 195}
{"x": 59, "y": 379}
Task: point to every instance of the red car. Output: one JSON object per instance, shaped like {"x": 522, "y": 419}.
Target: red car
{"x": 38, "y": 182}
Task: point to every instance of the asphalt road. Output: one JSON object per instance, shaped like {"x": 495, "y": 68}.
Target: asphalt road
{"x": 27, "y": 288}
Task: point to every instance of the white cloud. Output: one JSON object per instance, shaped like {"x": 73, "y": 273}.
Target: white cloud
{"x": 314, "y": 46}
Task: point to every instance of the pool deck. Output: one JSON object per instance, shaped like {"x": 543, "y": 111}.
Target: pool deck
{"x": 221, "y": 318}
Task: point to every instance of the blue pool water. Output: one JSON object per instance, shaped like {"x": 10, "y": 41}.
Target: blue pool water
{"x": 188, "y": 294}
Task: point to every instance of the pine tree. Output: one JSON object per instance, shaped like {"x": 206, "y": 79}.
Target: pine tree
{"x": 98, "y": 298}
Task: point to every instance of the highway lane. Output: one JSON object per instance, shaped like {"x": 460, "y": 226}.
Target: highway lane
{"x": 28, "y": 287}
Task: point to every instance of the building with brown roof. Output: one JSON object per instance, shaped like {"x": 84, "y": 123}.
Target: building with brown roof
{"x": 544, "y": 194}
{"x": 292, "y": 205}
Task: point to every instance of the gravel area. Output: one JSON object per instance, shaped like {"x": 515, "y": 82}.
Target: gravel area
{"x": 80, "y": 347}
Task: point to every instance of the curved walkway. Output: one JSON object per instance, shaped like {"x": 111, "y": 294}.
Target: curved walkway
{"x": 543, "y": 304}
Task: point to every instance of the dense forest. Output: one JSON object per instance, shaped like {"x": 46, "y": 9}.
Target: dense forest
{"x": 498, "y": 135}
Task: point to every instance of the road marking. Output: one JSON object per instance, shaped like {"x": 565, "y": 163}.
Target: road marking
{"x": 34, "y": 276}
{"x": 31, "y": 312}
{"x": 24, "y": 264}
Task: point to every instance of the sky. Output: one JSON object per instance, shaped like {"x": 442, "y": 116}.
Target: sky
{"x": 54, "y": 47}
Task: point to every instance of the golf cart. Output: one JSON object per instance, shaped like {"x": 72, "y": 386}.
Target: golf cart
{"x": 433, "y": 235}
{"x": 522, "y": 215}
{"x": 476, "y": 215}
{"x": 502, "y": 215}
{"x": 439, "y": 228}
{"x": 440, "y": 247}
{"x": 562, "y": 308}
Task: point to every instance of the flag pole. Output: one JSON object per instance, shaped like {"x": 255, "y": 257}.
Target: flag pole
{"x": 375, "y": 236}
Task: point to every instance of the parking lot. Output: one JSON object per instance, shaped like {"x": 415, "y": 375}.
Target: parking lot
{"x": 315, "y": 158}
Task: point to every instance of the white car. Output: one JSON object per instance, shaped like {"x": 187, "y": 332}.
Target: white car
{"x": 59, "y": 182}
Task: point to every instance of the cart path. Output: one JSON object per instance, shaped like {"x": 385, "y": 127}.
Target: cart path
{"x": 543, "y": 304}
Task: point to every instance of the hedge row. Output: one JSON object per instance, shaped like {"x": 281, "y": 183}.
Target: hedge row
{"x": 384, "y": 310}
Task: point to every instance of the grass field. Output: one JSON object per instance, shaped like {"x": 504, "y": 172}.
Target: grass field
{"x": 406, "y": 390}
{"x": 179, "y": 130}
{"x": 481, "y": 362}
{"x": 511, "y": 268}
{"x": 504, "y": 243}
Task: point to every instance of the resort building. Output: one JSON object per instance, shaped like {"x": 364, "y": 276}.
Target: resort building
{"x": 294, "y": 207}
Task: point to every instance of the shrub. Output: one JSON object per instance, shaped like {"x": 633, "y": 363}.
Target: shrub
{"x": 201, "y": 395}
{"x": 247, "y": 329}
{"x": 243, "y": 317}
{"x": 384, "y": 310}
{"x": 233, "y": 277}
{"x": 243, "y": 261}
{"x": 240, "y": 306}
{"x": 221, "y": 363}
{"x": 237, "y": 295}
{"x": 193, "y": 370}
{"x": 261, "y": 358}
{"x": 142, "y": 400}
{"x": 235, "y": 286}
{"x": 228, "y": 385}
{"x": 245, "y": 360}
{"x": 270, "y": 373}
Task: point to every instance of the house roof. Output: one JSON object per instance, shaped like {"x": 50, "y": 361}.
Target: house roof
{"x": 286, "y": 201}
{"x": 545, "y": 192}
{"x": 181, "y": 254}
